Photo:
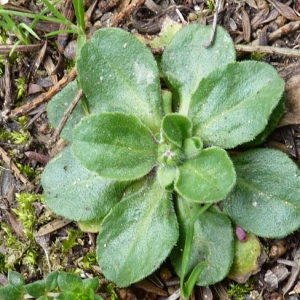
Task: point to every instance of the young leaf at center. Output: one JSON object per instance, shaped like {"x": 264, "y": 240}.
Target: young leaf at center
{"x": 115, "y": 146}
{"x": 207, "y": 177}
{"x": 176, "y": 128}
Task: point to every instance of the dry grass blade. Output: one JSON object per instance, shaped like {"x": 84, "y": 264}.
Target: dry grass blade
{"x": 117, "y": 19}
{"x": 285, "y": 10}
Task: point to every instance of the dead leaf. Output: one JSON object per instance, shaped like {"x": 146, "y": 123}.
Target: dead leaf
{"x": 246, "y": 25}
{"x": 291, "y": 75}
{"x": 285, "y": 10}
{"x": 251, "y": 3}
{"x": 259, "y": 18}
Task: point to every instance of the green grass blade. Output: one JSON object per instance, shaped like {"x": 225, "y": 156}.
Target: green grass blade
{"x": 26, "y": 27}
{"x": 38, "y": 17}
{"x": 79, "y": 12}
{"x": 193, "y": 278}
{"x": 57, "y": 14}
{"x": 14, "y": 48}
{"x": 59, "y": 32}
{"x": 188, "y": 246}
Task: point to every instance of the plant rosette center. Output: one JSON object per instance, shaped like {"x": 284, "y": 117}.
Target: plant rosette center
{"x": 170, "y": 155}
{"x": 142, "y": 194}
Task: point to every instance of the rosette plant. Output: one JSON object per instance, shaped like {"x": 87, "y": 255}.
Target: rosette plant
{"x": 145, "y": 160}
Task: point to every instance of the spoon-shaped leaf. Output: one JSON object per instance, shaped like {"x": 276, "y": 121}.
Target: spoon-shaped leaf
{"x": 186, "y": 61}
{"x": 119, "y": 74}
{"x": 176, "y": 128}
{"x": 231, "y": 106}
{"x": 266, "y": 199}
{"x": 137, "y": 235}
{"x": 213, "y": 242}
{"x": 207, "y": 177}
{"x": 72, "y": 191}
{"x": 114, "y": 145}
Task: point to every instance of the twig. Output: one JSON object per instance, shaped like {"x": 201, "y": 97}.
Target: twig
{"x": 20, "y": 48}
{"x": 65, "y": 117}
{"x": 7, "y": 98}
{"x": 214, "y": 25}
{"x": 45, "y": 97}
{"x": 15, "y": 169}
{"x": 294, "y": 273}
{"x": 284, "y": 30}
{"x": 126, "y": 12}
{"x": 269, "y": 49}
{"x": 175, "y": 295}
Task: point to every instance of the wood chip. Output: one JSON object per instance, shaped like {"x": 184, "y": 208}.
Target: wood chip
{"x": 274, "y": 276}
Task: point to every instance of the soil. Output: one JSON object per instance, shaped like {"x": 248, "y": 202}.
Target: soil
{"x": 270, "y": 28}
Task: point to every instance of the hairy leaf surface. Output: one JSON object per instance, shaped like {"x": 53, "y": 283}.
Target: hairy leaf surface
{"x": 266, "y": 199}
{"x": 121, "y": 75}
{"x": 186, "y": 61}
{"x": 231, "y": 106}
{"x": 72, "y": 191}
{"x": 137, "y": 235}
{"x": 213, "y": 242}
{"x": 207, "y": 177}
{"x": 176, "y": 128}
{"x": 114, "y": 145}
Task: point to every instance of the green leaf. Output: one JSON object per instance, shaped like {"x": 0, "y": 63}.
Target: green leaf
{"x": 9, "y": 292}
{"x": 72, "y": 191}
{"x": 231, "y": 105}
{"x": 176, "y": 128}
{"x": 16, "y": 280}
{"x": 186, "y": 61}
{"x": 265, "y": 200}
{"x": 69, "y": 282}
{"x": 206, "y": 177}
{"x": 51, "y": 281}
{"x": 115, "y": 146}
{"x": 91, "y": 283}
{"x": 79, "y": 12}
{"x": 137, "y": 235}
{"x": 213, "y": 242}
{"x": 166, "y": 176}
{"x": 275, "y": 117}
{"x": 68, "y": 295}
{"x": 192, "y": 146}
{"x": 58, "y": 105}
{"x": 36, "y": 289}
{"x": 121, "y": 75}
